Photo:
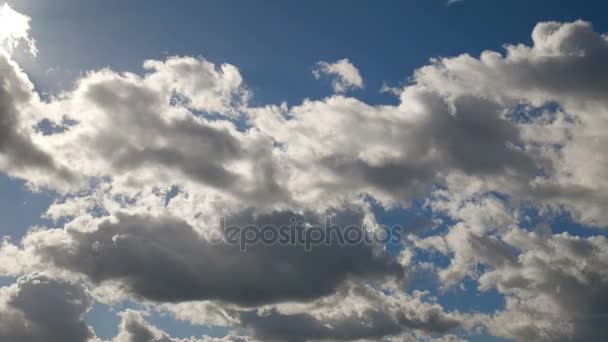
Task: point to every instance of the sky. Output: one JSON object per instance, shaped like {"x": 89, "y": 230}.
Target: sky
{"x": 132, "y": 133}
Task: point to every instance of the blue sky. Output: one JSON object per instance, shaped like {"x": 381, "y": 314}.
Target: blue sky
{"x": 276, "y": 45}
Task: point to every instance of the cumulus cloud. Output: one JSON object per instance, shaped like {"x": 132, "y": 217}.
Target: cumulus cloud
{"x": 147, "y": 164}
{"x": 166, "y": 260}
{"x": 161, "y": 126}
{"x": 40, "y": 308}
{"x": 357, "y": 313}
{"x": 203, "y": 85}
{"x": 557, "y": 290}
{"x": 564, "y": 67}
{"x": 345, "y": 75}
{"x": 398, "y": 153}
{"x": 554, "y": 284}
{"x": 19, "y": 154}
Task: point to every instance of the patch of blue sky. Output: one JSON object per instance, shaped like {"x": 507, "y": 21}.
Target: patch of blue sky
{"x": 526, "y": 113}
{"x": 6, "y": 281}
{"x": 564, "y": 223}
{"x": 559, "y": 221}
{"x": 171, "y": 194}
{"x": 20, "y": 208}
{"x": 104, "y": 319}
{"x": 403, "y": 221}
{"x": 275, "y": 43}
{"x": 467, "y": 298}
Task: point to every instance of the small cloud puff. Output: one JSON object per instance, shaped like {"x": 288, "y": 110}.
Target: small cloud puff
{"x": 346, "y": 75}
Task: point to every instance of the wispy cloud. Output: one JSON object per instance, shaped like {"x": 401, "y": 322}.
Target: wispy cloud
{"x": 451, "y": 2}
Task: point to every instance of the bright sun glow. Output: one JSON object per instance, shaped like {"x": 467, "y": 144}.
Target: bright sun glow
{"x": 14, "y": 28}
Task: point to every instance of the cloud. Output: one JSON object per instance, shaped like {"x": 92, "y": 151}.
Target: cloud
{"x": 42, "y": 308}
{"x": 452, "y": 2}
{"x": 166, "y": 260}
{"x": 39, "y": 308}
{"x": 19, "y": 154}
{"x": 203, "y": 85}
{"x": 554, "y": 284}
{"x": 403, "y": 153}
{"x": 563, "y": 67}
{"x": 15, "y": 30}
{"x": 557, "y": 290}
{"x": 354, "y": 312}
{"x": 361, "y": 313}
{"x": 346, "y": 75}
{"x": 134, "y": 328}
{"x": 149, "y": 125}
{"x": 147, "y": 164}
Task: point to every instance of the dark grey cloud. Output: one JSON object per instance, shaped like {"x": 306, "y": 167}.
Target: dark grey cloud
{"x": 39, "y": 308}
{"x": 274, "y": 326}
{"x": 477, "y": 140}
{"x": 18, "y": 152}
{"x": 165, "y": 259}
{"x": 573, "y": 66}
{"x": 468, "y": 135}
{"x": 370, "y": 325}
{"x": 558, "y": 286}
{"x": 198, "y": 150}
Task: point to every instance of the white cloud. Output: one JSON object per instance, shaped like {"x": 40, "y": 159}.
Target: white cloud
{"x": 14, "y": 30}
{"x": 147, "y": 163}
{"x": 203, "y": 85}
{"x": 346, "y": 75}
{"x": 557, "y": 290}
